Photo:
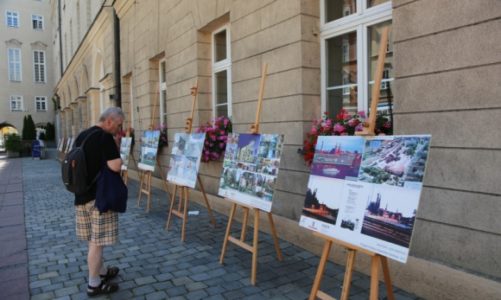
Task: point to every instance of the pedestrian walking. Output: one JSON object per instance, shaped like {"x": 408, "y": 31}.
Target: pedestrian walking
{"x": 99, "y": 229}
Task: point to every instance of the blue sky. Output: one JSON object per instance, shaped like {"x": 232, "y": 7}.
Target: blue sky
{"x": 347, "y": 143}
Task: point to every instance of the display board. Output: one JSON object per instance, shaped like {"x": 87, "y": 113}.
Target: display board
{"x": 149, "y": 148}
{"x": 366, "y": 190}
{"x": 125, "y": 144}
{"x": 185, "y": 158}
{"x": 250, "y": 168}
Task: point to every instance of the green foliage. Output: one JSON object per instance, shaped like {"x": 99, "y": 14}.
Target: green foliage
{"x": 50, "y": 132}
{"x": 29, "y": 129}
{"x": 13, "y": 143}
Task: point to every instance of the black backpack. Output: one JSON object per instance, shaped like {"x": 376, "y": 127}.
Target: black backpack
{"x": 74, "y": 169}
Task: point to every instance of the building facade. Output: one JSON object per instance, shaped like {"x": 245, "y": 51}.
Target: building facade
{"x": 440, "y": 77}
{"x": 26, "y": 68}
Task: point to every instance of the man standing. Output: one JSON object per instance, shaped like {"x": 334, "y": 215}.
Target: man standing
{"x": 99, "y": 229}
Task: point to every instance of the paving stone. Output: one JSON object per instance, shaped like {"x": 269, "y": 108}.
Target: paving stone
{"x": 145, "y": 280}
{"x": 195, "y": 286}
{"x": 156, "y": 296}
{"x": 195, "y": 295}
{"x": 146, "y": 289}
{"x": 44, "y": 296}
{"x": 40, "y": 283}
{"x": 181, "y": 281}
{"x": 47, "y": 275}
{"x": 163, "y": 285}
{"x": 176, "y": 291}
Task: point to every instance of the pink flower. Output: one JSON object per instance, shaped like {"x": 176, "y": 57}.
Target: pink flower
{"x": 339, "y": 128}
{"x": 361, "y": 114}
{"x": 353, "y": 122}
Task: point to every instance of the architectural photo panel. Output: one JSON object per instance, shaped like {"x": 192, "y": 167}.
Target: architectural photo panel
{"x": 250, "y": 168}
{"x": 149, "y": 149}
{"x": 185, "y": 158}
{"x": 376, "y": 210}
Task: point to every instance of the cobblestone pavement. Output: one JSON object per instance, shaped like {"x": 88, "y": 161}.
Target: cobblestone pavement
{"x": 154, "y": 263}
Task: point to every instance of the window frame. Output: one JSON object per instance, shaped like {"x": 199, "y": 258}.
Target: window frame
{"x": 358, "y": 22}
{"x": 20, "y": 100}
{"x": 41, "y": 22}
{"x": 18, "y": 18}
{"x": 41, "y": 99}
{"x": 220, "y": 66}
{"x": 40, "y": 66}
{"x": 20, "y": 62}
{"x": 162, "y": 86}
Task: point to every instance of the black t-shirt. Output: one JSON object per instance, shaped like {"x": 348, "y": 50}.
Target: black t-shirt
{"x": 99, "y": 148}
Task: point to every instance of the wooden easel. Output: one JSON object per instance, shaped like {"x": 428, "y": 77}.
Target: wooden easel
{"x": 183, "y": 200}
{"x": 368, "y": 130}
{"x": 145, "y": 175}
{"x": 241, "y": 242}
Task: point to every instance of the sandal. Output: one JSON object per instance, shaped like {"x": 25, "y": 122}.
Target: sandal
{"x": 111, "y": 273}
{"x": 103, "y": 288}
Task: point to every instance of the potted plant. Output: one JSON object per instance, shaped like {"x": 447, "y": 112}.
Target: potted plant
{"x": 13, "y": 145}
{"x": 343, "y": 123}
{"x": 216, "y": 134}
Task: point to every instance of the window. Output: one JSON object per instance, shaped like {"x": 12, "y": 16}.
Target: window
{"x": 16, "y": 103}
{"x": 14, "y": 64}
{"x": 41, "y": 103}
{"x": 12, "y": 18}
{"x": 37, "y": 22}
{"x": 350, "y": 37}
{"x": 221, "y": 72}
{"x": 39, "y": 66}
{"x": 163, "y": 92}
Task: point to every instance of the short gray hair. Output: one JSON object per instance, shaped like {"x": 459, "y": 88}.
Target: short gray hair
{"x": 112, "y": 112}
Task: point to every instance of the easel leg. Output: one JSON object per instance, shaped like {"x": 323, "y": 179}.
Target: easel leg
{"x": 141, "y": 178}
{"x": 173, "y": 199}
{"x": 387, "y": 278}
{"x": 345, "y": 293}
{"x": 185, "y": 212}
{"x": 374, "y": 277}
{"x": 209, "y": 210}
{"x": 148, "y": 183}
{"x": 227, "y": 235}
{"x": 321, "y": 269}
{"x": 275, "y": 237}
{"x": 255, "y": 246}
{"x": 244, "y": 223}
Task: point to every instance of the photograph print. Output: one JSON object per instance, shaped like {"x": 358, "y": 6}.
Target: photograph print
{"x": 395, "y": 160}
{"x": 323, "y": 199}
{"x": 250, "y": 168}
{"x": 125, "y": 145}
{"x": 185, "y": 158}
{"x": 338, "y": 157}
{"x": 149, "y": 149}
{"x": 390, "y": 214}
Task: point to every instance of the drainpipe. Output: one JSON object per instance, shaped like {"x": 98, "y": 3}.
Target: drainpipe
{"x": 60, "y": 38}
{"x": 118, "y": 83}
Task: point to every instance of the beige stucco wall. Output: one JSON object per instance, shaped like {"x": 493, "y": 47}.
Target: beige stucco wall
{"x": 448, "y": 68}
{"x": 30, "y": 40}
{"x": 87, "y": 81}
